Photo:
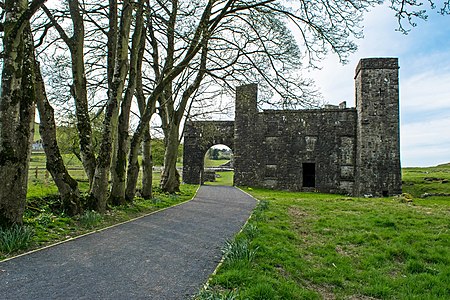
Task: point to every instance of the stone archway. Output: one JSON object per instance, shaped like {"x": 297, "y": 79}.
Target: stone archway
{"x": 199, "y": 136}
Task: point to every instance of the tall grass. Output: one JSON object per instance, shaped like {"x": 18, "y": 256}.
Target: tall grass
{"x": 238, "y": 251}
{"x": 207, "y": 294}
{"x": 90, "y": 219}
{"x": 15, "y": 238}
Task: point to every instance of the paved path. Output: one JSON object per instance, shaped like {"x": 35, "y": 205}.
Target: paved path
{"x": 167, "y": 255}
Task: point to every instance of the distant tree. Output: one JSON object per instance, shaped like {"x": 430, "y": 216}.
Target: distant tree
{"x": 214, "y": 153}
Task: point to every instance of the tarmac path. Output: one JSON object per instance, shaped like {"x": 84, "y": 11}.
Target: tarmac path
{"x": 166, "y": 255}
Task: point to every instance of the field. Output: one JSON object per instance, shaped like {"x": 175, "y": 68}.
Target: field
{"x": 210, "y": 163}
{"x": 297, "y": 245}
{"x": 41, "y": 183}
{"x": 319, "y": 246}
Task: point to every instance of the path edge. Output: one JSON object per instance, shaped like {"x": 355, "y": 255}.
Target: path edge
{"x": 98, "y": 230}
{"x": 206, "y": 285}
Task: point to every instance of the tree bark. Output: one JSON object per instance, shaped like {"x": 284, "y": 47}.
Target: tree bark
{"x": 147, "y": 166}
{"x": 98, "y": 195}
{"x": 117, "y": 196}
{"x": 16, "y": 113}
{"x": 170, "y": 178}
{"x": 67, "y": 186}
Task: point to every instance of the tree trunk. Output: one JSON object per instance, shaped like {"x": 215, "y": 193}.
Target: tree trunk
{"x": 78, "y": 88}
{"x": 132, "y": 178}
{"x": 79, "y": 91}
{"x": 147, "y": 166}
{"x": 67, "y": 186}
{"x": 119, "y": 168}
{"x": 16, "y": 114}
{"x": 98, "y": 195}
{"x": 133, "y": 163}
{"x": 170, "y": 178}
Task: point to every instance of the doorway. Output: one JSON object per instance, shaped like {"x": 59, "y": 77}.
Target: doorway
{"x": 309, "y": 175}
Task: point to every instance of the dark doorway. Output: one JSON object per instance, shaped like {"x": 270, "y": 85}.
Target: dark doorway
{"x": 309, "y": 175}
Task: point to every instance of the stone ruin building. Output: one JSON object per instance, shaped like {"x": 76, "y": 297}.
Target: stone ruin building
{"x": 352, "y": 151}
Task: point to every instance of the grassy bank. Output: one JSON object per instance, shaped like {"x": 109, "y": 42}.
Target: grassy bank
{"x": 319, "y": 246}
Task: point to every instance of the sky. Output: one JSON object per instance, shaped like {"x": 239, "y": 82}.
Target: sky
{"x": 424, "y": 59}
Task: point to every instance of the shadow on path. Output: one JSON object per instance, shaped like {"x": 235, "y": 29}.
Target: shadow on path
{"x": 167, "y": 255}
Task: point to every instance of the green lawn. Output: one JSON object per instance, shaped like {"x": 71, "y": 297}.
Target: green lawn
{"x": 418, "y": 181}
{"x": 319, "y": 246}
{"x": 210, "y": 163}
{"x": 225, "y": 178}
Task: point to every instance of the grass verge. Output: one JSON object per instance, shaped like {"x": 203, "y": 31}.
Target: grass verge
{"x": 319, "y": 246}
{"x": 47, "y": 225}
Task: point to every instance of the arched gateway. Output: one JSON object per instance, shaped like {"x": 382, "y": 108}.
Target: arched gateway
{"x": 334, "y": 150}
{"x": 199, "y": 136}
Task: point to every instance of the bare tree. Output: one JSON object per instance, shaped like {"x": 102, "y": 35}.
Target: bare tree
{"x": 67, "y": 186}
{"x": 119, "y": 168}
{"x": 411, "y": 11}
{"x": 16, "y": 107}
{"x": 75, "y": 43}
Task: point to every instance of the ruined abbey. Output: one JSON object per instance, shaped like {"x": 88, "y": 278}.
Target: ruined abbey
{"x": 334, "y": 150}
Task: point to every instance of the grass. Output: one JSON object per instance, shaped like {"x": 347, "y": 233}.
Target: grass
{"x": 49, "y": 225}
{"x": 321, "y": 246}
{"x": 90, "y": 219}
{"x": 419, "y": 181}
{"x": 225, "y": 178}
{"x": 15, "y": 238}
{"x": 211, "y": 163}
{"x": 238, "y": 250}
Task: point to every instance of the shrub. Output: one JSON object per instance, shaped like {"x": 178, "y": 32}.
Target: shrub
{"x": 15, "y": 238}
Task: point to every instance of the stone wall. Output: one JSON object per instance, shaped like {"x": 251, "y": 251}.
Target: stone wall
{"x": 199, "y": 136}
{"x": 336, "y": 150}
{"x": 280, "y": 143}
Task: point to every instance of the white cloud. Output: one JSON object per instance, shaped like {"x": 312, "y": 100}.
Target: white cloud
{"x": 424, "y": 59}
{"x": 425, "y": 143}
{"x": 428, "y": 91}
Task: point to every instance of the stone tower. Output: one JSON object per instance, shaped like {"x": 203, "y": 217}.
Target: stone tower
{"x": 246, "y": 140}
{"x": 377, "y": 163}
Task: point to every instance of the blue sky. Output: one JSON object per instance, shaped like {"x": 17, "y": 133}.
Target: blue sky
{"x": 424, "y": 59}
